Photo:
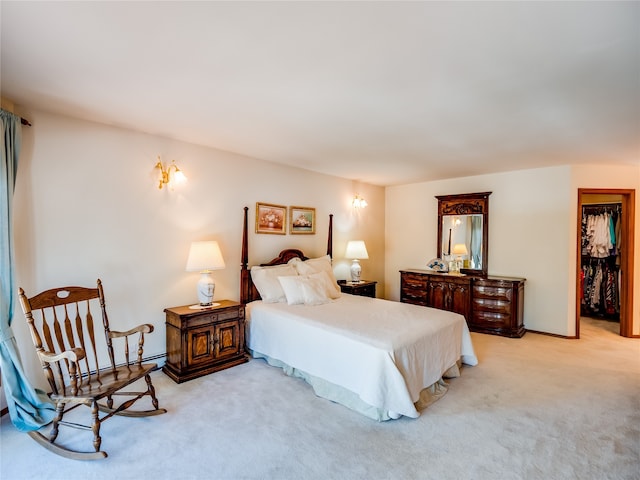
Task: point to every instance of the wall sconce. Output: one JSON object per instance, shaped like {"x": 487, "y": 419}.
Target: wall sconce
{"x": 170, "y": 175}
{"x": 356, "y": 250}
{"x": 359, "y": 202}
{"x": 205, "y": 257}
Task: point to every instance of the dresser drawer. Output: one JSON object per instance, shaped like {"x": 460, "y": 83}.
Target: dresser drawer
{"x": 413, "y": 281}
{"x": 416, "y": 298}
{"x": 492, "y": 292}
{"x": 413, "y": 288}
{"x": 491, "y": 303}
{"x": 490, "y": 318}
{"x": 491, "y": 306}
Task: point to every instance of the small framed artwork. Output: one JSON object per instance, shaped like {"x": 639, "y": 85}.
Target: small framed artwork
{"x": 302, "y": 220}
{"x": 271, "y": 218}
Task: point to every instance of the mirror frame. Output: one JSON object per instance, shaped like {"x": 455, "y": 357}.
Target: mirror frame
{"x": 467, "y": 204}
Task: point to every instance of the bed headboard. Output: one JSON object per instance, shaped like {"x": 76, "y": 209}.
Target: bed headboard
{"x": 248, "y": 291}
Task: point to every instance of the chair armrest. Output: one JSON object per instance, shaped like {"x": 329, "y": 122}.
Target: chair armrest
{"x": 144, "y": 328}
{"x": 72, "y": 355}
{"x": 141, "y": 329}
{"x": 54, "y": 375}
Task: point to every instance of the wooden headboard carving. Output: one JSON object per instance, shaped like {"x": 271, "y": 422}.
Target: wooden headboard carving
{"x": 248, "y": 291}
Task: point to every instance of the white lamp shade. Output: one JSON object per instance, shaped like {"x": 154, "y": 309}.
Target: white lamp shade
{"x": 460, "y": 249}
{"x": 205, "y": 256}
{"x": 356, "y": 249}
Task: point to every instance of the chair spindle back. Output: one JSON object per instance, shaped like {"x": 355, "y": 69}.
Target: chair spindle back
{"x": 62, "y": 319}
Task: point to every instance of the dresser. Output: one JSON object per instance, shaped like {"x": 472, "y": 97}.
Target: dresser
{"x": 490, "y": 304}
{"x": 202, "y": 341}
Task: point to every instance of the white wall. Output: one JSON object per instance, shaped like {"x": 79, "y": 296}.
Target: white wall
{"x": 614, "y": 177}
{"x": 87, "y": 205}
{"x": 532, "y": 233}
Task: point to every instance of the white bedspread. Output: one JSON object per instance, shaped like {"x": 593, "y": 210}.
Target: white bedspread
{"x": 385, "y": 352}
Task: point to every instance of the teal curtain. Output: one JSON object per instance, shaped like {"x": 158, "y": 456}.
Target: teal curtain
{"x": 476, "y": 241}
{"x": 29, "y": 408}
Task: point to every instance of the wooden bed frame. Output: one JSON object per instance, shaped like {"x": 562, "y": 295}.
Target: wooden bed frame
{"x": 248, "y": 291}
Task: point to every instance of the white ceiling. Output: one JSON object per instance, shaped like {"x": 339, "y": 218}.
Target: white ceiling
{"x": 380, "y": 92}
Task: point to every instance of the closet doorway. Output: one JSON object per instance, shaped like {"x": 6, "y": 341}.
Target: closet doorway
{"x": 616, "y": 269}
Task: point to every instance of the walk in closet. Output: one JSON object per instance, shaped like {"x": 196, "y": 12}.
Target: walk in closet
{"x": 601, "y": 248}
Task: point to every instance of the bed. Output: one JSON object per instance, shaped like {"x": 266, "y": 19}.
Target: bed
{"x": 381, "y": 358}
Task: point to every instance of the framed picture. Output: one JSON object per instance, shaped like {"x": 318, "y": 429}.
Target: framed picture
{"x": 271, "y": 218}
{"x": 302, "y": 220}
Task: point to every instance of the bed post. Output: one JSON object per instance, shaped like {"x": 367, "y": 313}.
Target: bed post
{"x": 244, "y": 272}
{"x": 330, "y": 237}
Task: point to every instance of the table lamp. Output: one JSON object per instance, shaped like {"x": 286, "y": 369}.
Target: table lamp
{"x": 459, "y": 249}
{"x": 205, "y": 257}
{"x": 356, "y": 250}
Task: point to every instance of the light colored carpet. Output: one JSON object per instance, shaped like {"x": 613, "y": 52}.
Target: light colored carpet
{"x": 534, "y": 408}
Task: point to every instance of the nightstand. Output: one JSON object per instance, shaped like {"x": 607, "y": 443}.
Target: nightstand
{"x": 364, "y": 288}
{"x": 203, "y": 341}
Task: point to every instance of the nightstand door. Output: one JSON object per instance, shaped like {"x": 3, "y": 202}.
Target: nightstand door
{"x": 200, "y": 344}
{"x": 227, "y": 339}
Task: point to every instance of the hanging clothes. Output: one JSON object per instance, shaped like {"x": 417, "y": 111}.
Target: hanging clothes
{"x": 600, "y": 249}
{"x": 600, "y": 235}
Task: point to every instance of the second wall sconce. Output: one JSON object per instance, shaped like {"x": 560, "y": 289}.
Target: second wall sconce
{"x": 359, "y": 202}
{"x": 170, "y": 175}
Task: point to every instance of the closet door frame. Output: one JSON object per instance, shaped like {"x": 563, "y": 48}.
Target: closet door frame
{"x": 626, "y": 256}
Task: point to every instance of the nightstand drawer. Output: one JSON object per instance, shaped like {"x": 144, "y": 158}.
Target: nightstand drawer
{"x": 198, "y": 321}
{"x": 364, "y": 288}
{"x": 231, "y": 314}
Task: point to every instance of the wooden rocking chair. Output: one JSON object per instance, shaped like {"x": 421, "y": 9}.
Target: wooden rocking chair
{"x": 64, "y": 335}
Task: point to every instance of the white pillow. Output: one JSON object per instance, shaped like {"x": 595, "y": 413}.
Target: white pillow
{"x": 327, "y": 283}
{"x": 311, "y": 265}
{"x": 304, "y": 290}
{"x": 292, "y": 287}
{"x": 266, "y": 281}
{"x": 314, "y": 292}
{"x": 315, "y": 265}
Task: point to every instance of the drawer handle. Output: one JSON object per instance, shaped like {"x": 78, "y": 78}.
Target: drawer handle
{"x": 410, "y": 295}
{"x": 489, "y": 293}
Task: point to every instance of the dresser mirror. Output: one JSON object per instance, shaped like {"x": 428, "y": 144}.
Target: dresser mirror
{"x": 463, "y": 232}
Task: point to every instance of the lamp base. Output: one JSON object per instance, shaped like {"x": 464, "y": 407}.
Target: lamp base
{"x": 205, "y": 287}
{"x": 203, "y": 307}
{"x": 356, "y": 270}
